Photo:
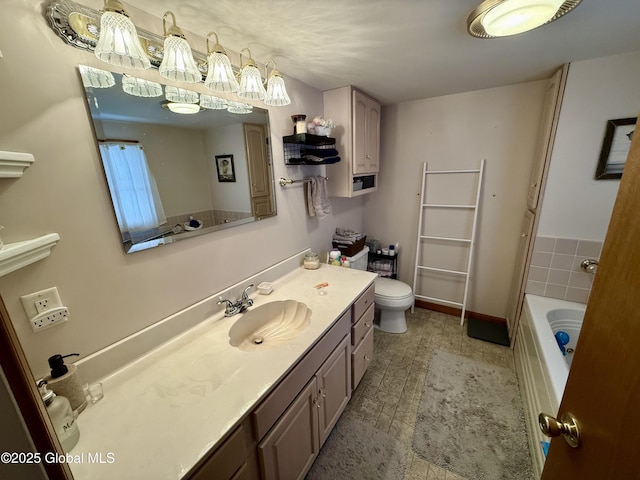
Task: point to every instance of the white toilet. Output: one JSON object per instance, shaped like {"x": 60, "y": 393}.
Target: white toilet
{"x": 392, "y": 298}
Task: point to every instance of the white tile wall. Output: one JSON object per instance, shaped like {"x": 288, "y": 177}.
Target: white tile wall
{"x": 555, "y": 268}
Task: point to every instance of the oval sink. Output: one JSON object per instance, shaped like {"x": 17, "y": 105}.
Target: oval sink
{"x": 269, "y": 325}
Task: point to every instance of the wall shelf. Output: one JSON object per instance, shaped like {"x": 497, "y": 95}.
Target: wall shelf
{"x": 14, "y": 256}
{"x": 12, "y": 164}
{"x": 298, "y": 145}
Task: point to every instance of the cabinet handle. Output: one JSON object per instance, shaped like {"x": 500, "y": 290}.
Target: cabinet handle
{"x": 323, "y": 393}
{"x": 366, "y": 324}
{"x": 366, "y": 358}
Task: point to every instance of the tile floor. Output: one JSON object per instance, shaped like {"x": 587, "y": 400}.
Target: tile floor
{"x": 389, "y": 393}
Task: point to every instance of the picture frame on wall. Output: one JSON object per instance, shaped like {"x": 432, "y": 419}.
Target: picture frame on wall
{"x": 615, "y": 148}
{"x": 225, "y": 167}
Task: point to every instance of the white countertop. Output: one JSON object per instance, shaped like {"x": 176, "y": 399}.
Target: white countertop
{"x": 165, "y": 411}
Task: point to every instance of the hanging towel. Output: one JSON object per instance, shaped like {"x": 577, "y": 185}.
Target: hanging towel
{"x": 317, "y": 198}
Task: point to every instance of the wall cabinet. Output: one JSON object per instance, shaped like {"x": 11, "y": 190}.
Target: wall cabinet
{"x": 357, "y": 133}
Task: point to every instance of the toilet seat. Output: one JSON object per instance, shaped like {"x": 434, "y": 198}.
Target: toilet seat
{"x": 392, "y": 293}
{"x": 389, "y": 288}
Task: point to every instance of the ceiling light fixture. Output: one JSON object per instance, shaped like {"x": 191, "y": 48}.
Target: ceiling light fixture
{"x": 177, "y": 61}
{"x": 118, "y": 43}
{"x": 182, "y": 108}
{"x": 276, "y": 91}
{"x": 251, "y": 87}
{"x": 502, "y": 18}
{"x": 220, "y": 77}
{"x": 139, "y": 87}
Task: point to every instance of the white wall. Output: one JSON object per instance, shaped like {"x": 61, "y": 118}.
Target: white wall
{"x": 575, "y": 205}
{"x": 457, "y": 131}
{"x": 111, "y": 295}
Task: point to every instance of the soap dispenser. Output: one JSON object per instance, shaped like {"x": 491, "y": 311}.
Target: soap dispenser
{"x": 64, "y": 381}
{"x": 59, "y": 410}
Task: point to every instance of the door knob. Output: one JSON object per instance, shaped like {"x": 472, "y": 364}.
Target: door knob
{"x": 566, "y": 426}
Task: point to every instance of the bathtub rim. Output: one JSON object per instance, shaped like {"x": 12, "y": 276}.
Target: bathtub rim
{"x": 536, "y": 308}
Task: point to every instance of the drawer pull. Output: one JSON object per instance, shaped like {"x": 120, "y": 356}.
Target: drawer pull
{"x": 367, "y": 324}
{"x": 366, "y": 358}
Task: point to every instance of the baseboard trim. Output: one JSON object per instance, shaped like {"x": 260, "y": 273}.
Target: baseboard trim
{"x": 436, "y": 307}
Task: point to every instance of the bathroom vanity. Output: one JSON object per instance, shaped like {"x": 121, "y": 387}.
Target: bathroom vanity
{"x": 198, "y": 407}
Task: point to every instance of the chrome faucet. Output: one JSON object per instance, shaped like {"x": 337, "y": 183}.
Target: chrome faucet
{"x": 239, "y": 306}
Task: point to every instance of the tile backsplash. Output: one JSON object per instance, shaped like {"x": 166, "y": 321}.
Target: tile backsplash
{"x": 555, "y": 268}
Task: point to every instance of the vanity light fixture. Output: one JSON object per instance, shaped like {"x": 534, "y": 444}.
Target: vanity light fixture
{"x": 276, "y": 91}
{"x": 238, "y": 107}
{"x": 220, "y": 77}
{"x": 501, "y": 18}
{"x": 180, "y": 95}
{"x": 96, "y": 77}
{"x": 118, "y": 43}
{"x": 177, "y": 60}
{"x": 139, "y": 87}
{"x": 212, "y": 103}
{"x": 251, "y": 87}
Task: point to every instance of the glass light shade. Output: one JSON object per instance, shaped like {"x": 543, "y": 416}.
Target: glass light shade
{"x": 180, "y": 95}
{"x": 96, "y": 78}
{"x": 177, "y": 61}
{"x": 251, "y": 84}
{"x": 276, "y": 91}
{"x": 220, "y": 76}
{"x": 517, "y": 16}
{"x": 183, "y": 108}
{"x": 236, "y": 107}
{"x": 212, "y": 103}
{"x": 119, "y": 44}
{"x": 139, "y": 87}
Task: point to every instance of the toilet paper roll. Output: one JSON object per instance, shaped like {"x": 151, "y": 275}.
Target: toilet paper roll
{"x": 69, "y": 386}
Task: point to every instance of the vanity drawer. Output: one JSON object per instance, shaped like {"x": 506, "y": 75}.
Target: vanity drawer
{"x": 361, "y": 358}
{"x": 362, "y": 326}
{"x": 363, "y": 302}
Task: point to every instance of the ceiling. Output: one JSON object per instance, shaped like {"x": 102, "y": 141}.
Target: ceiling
{"x": 402, "y": 50}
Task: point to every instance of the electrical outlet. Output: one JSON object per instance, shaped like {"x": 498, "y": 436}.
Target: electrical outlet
{"x": 44, "y": 308}
{"x": 42, "y": 305}
{"x": 51, "y": 317}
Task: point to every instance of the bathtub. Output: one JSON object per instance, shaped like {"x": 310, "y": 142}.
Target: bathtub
{"x": 541, "y": 366}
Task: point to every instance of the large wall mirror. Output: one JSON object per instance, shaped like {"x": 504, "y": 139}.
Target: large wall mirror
{"x": 175, "y": 175}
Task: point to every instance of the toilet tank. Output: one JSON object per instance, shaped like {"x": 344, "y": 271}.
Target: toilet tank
{"x": 359, "y": 260}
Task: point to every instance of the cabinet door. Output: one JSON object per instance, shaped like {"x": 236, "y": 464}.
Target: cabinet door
{"x": 334, "y": 387}
{"x": 546, "y": 135}
{"x": 518, "y": 283}
{"x": 288, "y": 451}
{"x": 372, "y": 132}
{"x": 361, "y": 358}
{"x": 360, "y": 119}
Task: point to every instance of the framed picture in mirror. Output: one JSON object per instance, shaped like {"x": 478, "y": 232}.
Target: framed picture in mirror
{"x": 226, "y": 172}
{"x": 615, "y": 148}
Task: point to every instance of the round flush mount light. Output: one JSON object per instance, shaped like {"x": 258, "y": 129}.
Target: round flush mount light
{"x": 182, "y": 108}
{"x": 502, "y": 18}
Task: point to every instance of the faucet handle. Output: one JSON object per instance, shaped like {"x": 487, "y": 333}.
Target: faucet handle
{"x": 245, "y": 294}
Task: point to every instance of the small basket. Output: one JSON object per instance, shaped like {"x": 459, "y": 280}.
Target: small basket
{"x": 352, "y": 248}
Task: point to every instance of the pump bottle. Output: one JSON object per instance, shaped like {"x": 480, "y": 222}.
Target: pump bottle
{"x": 59, "y": 410}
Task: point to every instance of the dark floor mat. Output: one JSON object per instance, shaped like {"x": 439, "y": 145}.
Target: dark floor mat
{"x": 488, "y": 331}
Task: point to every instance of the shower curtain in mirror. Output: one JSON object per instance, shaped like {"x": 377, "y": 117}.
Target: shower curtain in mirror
{"x": 133, "y": 187}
